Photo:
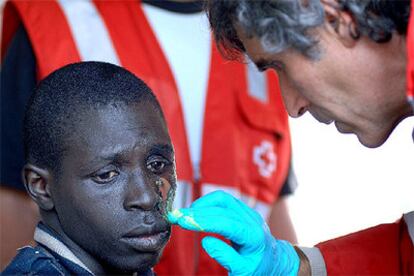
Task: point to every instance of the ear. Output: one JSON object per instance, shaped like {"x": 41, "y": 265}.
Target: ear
{"x": 340, "y": 23}
{"x": 37, "y": 182}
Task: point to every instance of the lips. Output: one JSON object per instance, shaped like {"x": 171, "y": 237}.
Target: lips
{"x": 342, "y": 128}
{"x": 321, "y": 118}
{"x": 147, "y": 240}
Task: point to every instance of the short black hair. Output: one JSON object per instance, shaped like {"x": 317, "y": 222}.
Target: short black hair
{"x": 54, "y": 107}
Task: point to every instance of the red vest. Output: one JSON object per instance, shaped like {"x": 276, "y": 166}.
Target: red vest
{"x": 385, "y": 249}
{"x": 246, "y": 143}
{"x": 410, "y": 55}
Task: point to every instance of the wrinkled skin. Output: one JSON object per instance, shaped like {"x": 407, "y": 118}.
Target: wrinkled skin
{"x": 357, "y": 84}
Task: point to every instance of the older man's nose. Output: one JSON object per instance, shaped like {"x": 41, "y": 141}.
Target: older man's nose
{"x": 296, "y": 105}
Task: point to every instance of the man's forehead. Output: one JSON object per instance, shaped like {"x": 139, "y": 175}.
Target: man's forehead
{"x": 103, "y": 126}
{"x": 138, "y": 115}
{"x": 253, "y": 48}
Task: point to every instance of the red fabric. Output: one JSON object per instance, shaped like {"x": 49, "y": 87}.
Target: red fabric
{"x": 406, "y": 251}
{"x": 10, "y": 24}
{"x": 50, "y": 55}
{"x": 386, "y": 249}
{"x": 410, "y": 54}
{"x": 228, "y": 144}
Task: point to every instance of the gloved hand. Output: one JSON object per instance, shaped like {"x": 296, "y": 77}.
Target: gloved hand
{"x": 254, "y": 252}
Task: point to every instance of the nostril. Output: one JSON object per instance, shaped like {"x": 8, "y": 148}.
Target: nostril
{"x": 301, "y": 111}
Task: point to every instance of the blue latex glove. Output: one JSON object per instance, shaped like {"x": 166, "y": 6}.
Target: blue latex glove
{"x": 254, "y": 252}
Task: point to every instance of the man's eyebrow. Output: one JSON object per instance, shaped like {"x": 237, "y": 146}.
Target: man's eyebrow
{"x": 115, "y": 157}
{"x": 162, "y": 148}
{"x": 104, "y": 159}
{"x": 119, "y": 156}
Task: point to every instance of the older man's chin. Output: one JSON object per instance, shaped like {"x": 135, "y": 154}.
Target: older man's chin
{"x": 373, "y": 139}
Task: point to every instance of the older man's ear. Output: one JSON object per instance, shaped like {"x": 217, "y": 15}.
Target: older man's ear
{"x": 340, "y": 24}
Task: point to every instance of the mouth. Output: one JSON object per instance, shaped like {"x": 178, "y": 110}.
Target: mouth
{"x": 324, "y": 121}
{"x": 321, "y": 119}
{"x": 327, "y": 122}
{"x": 342, "y": 128}
{"x": 147, "y": 242}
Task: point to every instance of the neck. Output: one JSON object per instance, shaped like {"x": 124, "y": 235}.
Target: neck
{"x": 397, "y": 59}
{"x": 52, "y": 221}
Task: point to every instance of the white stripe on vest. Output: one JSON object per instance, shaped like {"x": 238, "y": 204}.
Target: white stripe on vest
{"x": 183, "y": 195}
{"x": 261, "y": 207}
{"x": 256, "y": 83}
{"x": 89, "y": 31}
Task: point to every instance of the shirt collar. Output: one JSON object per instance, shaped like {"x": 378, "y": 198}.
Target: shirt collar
{"x": 45, "y": 237}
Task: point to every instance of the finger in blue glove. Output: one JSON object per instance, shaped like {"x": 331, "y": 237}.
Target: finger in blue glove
{"x": 254, "y": 252}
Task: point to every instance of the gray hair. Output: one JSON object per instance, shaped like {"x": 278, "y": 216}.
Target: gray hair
{"x": 283, "y": 24}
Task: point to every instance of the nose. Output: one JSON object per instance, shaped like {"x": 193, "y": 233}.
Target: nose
{"x": 140, "y": 193}
{"x": 295, "y": 104}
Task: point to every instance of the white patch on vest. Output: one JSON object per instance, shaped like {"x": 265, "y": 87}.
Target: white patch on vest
{"x": 183, "y": 195}
{"x": 409, "y": 220}
{"x": 185, "y": 40}
{"x": 256, "y": 83}
{"x": 89, "y": 31}
{"x": 261, "y": 207}
{"x": 264, "y": 157}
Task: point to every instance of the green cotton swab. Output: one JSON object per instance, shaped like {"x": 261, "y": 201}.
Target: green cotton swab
{"x": 188, "y": 219}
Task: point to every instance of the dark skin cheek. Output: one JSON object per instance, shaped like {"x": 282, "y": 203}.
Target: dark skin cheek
{"x": 167, "y": 192}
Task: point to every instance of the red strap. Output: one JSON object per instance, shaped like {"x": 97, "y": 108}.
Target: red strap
{"x": 410, "y": 60}
{"x": 50, "y": 35}
{"x": 410, "y": 53}
{"x": 11, "y": 22}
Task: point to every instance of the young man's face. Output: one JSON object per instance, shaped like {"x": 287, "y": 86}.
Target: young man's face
{"x": 357, "y": 84}
{"x": 117, "y": 175}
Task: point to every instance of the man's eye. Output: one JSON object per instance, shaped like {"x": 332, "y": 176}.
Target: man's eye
{"x": 105, "y": 177}
{"x": 277, "y": 67}
{"x": 156, "y": 166}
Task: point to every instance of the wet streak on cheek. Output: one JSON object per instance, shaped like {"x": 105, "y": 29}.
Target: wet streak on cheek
{"x": 165, "y": 187}
{"x": 168, "y": 193}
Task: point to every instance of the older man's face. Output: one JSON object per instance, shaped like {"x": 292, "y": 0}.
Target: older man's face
{"x": 356, "y": 86}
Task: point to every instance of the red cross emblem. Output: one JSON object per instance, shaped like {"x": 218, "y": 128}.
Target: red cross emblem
{"x": 264, "y": 157}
